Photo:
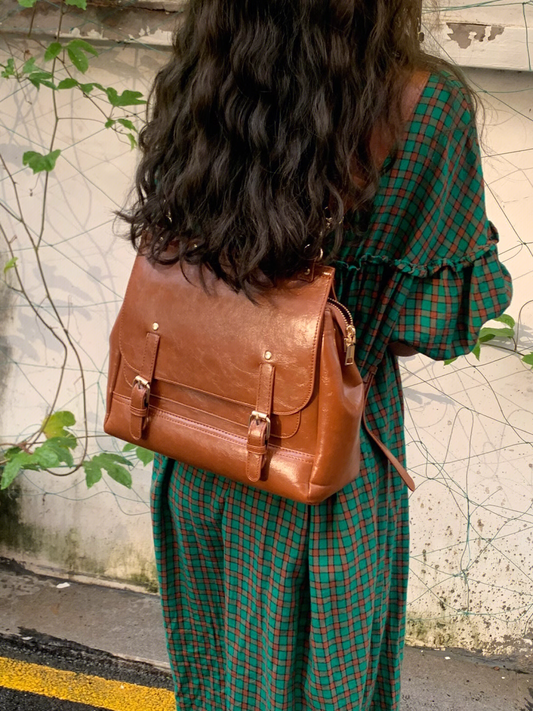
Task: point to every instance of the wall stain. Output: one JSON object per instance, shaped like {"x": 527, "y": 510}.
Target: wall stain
{"x": 62, "y": 550}
{"x": 465, "y": 33}
{"x": 6, "y": 314}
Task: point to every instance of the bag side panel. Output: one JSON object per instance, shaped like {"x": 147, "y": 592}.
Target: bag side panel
{"x": 341, "y": 404}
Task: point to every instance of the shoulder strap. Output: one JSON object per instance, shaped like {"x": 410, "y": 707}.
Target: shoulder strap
{"x": 402, "y": 471}
{"x": 381, "y": 146}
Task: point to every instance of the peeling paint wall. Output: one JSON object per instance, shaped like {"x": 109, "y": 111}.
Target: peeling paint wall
{"x": 495, "y": 34}
{"x": 465, "y": 33}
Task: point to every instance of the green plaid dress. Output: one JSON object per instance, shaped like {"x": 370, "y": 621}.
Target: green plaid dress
{"x": 272, "y": 605}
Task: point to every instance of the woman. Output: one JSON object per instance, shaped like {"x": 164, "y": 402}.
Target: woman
{"x": 270, "y": 116}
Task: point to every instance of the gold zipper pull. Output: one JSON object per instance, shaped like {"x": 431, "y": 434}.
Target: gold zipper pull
{"x": 349, "y": 345}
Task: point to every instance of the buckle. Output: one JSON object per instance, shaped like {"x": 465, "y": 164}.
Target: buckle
{"x": 143, "y": 383}
{"x": 260, "y": 417}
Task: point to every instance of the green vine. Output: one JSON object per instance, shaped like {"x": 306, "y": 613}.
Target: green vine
{"x": 52, "y": 445}
{"x": 505, "y": 337}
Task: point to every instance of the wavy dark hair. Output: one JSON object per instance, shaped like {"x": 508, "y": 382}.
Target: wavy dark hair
{"x": 258, "y": 125}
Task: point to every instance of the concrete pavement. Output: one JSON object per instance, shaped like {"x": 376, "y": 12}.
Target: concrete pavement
{"x": 128, "y": 625}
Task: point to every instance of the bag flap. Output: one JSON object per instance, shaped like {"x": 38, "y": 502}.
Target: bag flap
{"x": 215, "y": 341}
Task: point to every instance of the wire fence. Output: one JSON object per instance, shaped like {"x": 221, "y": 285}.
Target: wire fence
{"x": 469, "y": 423}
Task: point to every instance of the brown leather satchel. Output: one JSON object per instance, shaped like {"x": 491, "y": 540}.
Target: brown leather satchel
{"x": 264, "y": 393}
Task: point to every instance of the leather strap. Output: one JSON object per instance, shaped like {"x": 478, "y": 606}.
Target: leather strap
{"x": 402, "y": 471}
{"x": 259, "y": 426}
{"x": 381, "y": 145}
{"x": 140, "y": 394}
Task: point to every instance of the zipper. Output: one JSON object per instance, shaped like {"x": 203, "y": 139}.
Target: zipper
{"x": 349, "y": 338}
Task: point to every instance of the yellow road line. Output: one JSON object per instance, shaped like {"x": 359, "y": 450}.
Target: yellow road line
{"x": 90, "y": 690}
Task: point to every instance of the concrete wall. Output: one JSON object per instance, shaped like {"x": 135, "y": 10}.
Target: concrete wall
{"x": 470, "y": 424}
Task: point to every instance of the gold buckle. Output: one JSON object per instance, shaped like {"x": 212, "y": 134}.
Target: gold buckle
{"x": 260, "y": 417}
{"x": 141, "y": 381}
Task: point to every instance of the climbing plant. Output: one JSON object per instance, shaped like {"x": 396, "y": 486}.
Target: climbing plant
{"x": 58, "y": 66}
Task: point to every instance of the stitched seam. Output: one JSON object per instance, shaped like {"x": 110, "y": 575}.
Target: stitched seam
{"x": 314, "y": 357}
{"x": 195, "y": 426}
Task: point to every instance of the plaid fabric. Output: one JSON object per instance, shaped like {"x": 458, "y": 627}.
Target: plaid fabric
{"x": 271, "y": 605}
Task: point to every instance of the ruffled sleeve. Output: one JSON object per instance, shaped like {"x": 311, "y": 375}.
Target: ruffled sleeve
{"x": 447, "y": 306}
{"x": 435, "y": 232}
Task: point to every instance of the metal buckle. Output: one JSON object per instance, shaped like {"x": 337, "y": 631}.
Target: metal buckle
{"x": 261, "y": 417}
{"x": 139, "y": 380}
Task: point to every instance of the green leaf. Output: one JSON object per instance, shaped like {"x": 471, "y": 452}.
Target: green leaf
{"x": 77, "y": 50}
{"x": 449, "y": 361}
{"x": 489, "y": 332}
{"x": 133, "y": 141}
{"x": 27, "y": 3}
{"x": 528, "y": 359}
{"x": 127, "y": 124}
{"x": 127, "y": 98}
{"x": 78, "y": 59}
{"x": 68, "y": 441}
{"x": 476, "y": 350}
{"x": 46, "y": 457}
{"x": 29, "y": 66}
{"x": 52, "y": 51}
{"x": 21, "y": 460}
{"x": 61, "y": 447}
{"x": 112, "y": 458}
{"x": 110, "y": 122}
{"x": 39, "y": 163}
{"x": 8, "y": 454}
{"x": 83, "y": 45}
{"x": 145, "y": 455}
{"x": 40, "y": 77}
{"x": 120, "y": 475}
{"x": 507, "y": 320}
{"x": 93, "y": 473}
{"x": 9, "y": 68}
{"x": 87, "y": 88}
{"x": 11, "y": 264}
{"x": 113, "y": 464}
{"x": 82, "y": 4}
{"x": 10, "y": 472}
{"x": 54, "y": 425}
{"x": 68, "y": 83}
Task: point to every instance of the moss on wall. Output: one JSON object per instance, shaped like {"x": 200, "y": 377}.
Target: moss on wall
{"x": 64, "y": 551}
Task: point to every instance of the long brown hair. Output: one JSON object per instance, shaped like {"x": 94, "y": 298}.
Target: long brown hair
{"x": 260, "y": 121}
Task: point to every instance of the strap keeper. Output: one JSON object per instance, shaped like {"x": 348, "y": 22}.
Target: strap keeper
{"x": 260, "y": 417}
{"x": 141, "y": 388}
{"x": 259, "y": 424}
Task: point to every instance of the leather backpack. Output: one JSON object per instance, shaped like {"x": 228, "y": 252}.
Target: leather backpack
{"x": 265, "y": 393}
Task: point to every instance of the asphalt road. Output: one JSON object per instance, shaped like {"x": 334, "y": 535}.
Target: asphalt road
{"x": 59, "y": 669}
{"x": 39, "y": 614}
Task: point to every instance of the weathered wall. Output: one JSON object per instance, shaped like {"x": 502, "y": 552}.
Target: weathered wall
{"x": 470, "y": 424}
{"x": 5, "y": 351}
{"x": 483, "y": 34}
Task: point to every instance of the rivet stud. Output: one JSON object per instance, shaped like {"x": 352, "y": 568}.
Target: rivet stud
{"x": 268, "y": 355}
{"x": 155, "y": 326}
